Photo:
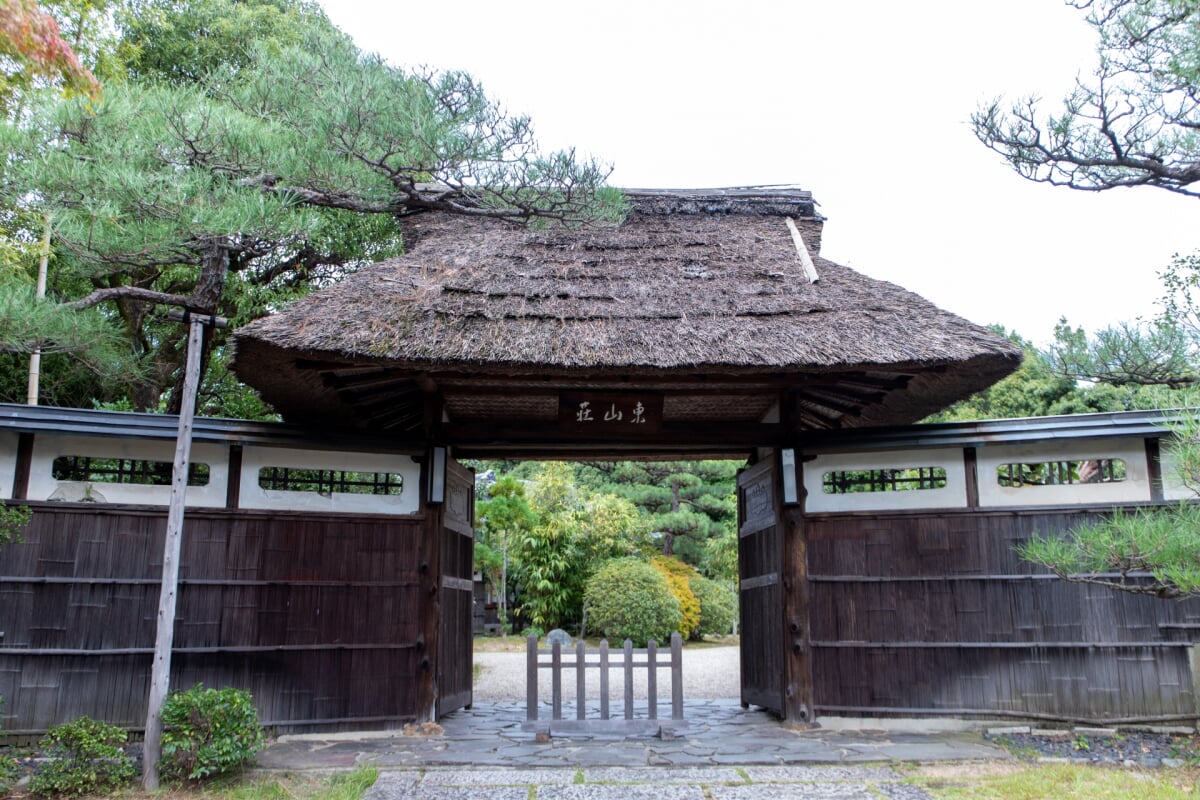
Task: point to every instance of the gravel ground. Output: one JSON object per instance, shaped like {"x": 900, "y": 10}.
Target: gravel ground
{"x": 1126, "y": 748}
{"x": 708, "y": 673}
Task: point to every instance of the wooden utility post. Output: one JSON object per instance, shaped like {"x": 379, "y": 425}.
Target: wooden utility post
{"x": 35, "y": 358}
{"x": 160, "y": 675}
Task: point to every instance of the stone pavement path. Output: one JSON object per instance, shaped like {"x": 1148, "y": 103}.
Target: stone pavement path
{"x": 725, "y": 753}
{"x": 720, "y": 733}
{"x": 648, "y": 783}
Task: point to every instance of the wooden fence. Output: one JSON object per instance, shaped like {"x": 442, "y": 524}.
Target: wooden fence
{"x": 918, "y": 604}
{"x": 629, "y": 662}
{"x": 319, "y": 616}
{"x": 925, "y": 614}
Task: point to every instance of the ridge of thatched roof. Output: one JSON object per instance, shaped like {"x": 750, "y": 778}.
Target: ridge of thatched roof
{"x": 691, "y": 282}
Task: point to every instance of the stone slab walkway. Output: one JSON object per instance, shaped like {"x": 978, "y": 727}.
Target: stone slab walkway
{"x": 720, "y": 734}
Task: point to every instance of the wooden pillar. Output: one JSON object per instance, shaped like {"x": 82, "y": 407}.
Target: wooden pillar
{"x": 797, "y": 656}
{"x": 233, "y": 489}
{"x": 971, "y": 474}
{"x": 1154, "y": 468}
{"x": 429, "y": 567}
{"x": 24, "y": 466}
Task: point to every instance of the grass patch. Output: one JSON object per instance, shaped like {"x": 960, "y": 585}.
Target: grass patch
{"x": 1058, "y": 781}
{"x": 340, "y": 786}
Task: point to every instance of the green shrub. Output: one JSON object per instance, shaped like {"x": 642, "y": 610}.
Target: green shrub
{"x": 718, "y": 606}
{"x": 8, "y": 768}
{"x": 207, "y": 732}
{"x": 8, "y": 773}
{"x": 629, "y": 599}
{"x": 679, "y": 576}
{"x": 12, "y": 520}
{"x": 86, "y": 757}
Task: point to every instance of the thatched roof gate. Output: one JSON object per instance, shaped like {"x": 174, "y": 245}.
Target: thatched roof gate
{"x": 711, "y": 309}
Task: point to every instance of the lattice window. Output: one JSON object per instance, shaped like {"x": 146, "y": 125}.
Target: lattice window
{"x": 1061, "y": 473}
{"x": 884, "y": 480}
{"x": 328, "y": 481}
{"x": 136, "y": 471}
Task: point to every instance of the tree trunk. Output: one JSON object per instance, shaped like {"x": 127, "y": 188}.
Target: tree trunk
{"x": 35, "y": 358}
{"x": 210, "y": 285}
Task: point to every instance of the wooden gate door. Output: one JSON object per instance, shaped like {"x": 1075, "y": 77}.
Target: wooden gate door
{"x": 457, "y": 593}
{"x": 760, "y": 560}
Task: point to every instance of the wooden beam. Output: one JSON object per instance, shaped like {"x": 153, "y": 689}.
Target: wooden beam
{"x": 612, "y": 452}
{"x": 346, "y": 367}
{"x": 407, "y": 417}
{"x": 366, "y": 402}
{"x": 813, "y": 422}
{"x": 548, "y": 382}
{"x": 818, "y": 412}
{"x": 824, "y": 399}
{"x": 806, "y": 262}
{"x": 856, "y": 398}
{"x": 379, "y": 393}
{"x": 743, "y": 435}
{"x": 358, "y": 379}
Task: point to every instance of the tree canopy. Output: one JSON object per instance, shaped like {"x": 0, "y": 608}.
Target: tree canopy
{"x": 1153, "y": 551}
{"x": 31, "y": 39}
{"x": 1161, "y": 352}
{"x": 252, "y": 152}
{"x": 1132, "y": 122}
{"x": 687, "y": 502}
{"x": 1045, "y": 386}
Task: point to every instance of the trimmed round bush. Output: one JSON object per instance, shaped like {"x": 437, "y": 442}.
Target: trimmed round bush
{"x": 208, "y": 732}
{"x": 629, "y": 599}
{"x": 718, "y": 606}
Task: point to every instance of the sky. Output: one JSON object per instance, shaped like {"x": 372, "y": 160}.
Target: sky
{"x": 866, "y": 104}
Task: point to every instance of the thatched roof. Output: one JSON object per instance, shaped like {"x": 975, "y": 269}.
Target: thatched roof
{"x": 701, "y": 296}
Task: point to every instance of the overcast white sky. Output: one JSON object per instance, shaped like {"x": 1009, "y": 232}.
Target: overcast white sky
{"x": 864, "y": 103}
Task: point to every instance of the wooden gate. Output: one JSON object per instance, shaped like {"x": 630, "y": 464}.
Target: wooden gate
{"x": 457, "y": 596}
{"x": 760, "y": 559}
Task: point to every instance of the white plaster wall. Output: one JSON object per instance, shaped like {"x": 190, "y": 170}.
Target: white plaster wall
{"x": 8, "y": 463}
{"x": 953, "y": 495}
{"x": 1135, "y": 487}
{"x": 1173, "y": 488}
{"x": 255, "y": 458}
{"x": 47, "y": 447}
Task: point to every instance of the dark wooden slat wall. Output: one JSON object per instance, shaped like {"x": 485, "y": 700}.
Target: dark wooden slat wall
{"x": 317, "y": 615}
{"x": 760, "y": 554}
{"x": 456, "y": 639}
{"x": 934, "y": 613}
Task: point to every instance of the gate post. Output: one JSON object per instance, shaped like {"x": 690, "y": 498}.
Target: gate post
{"x": 798, "y": 692}
{"x": 429, "y": 567}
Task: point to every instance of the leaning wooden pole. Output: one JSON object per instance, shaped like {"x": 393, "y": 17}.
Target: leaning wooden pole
{"x": 160, "y": 675}
{"x": 35, "y": 358}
